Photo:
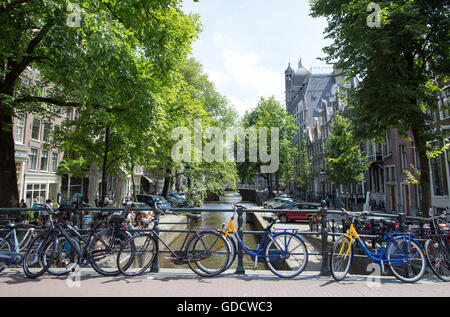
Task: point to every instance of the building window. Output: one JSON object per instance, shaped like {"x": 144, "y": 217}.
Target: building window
{"x": 393, "y": 178}
{"x": 436, "y": 172}
{"x": 20, "y": 129}
{"x": 35, "y": 192}
{"x": 44, "y": 160}
{"x": 33, "y": 158}
{"x": 416, "y": 157}
{"x": 445, "y": 104}
{"x": 46, "y": 132}
{"x": 403, "y": 158}
{"x": 35, "y": 131}
{"x": 54, "y": 161}
{"x": 388, "y": 145}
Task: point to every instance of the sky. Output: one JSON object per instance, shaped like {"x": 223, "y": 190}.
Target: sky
{"x": 246, "y": 45}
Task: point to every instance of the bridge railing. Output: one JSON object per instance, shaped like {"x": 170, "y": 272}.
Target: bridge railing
{"x": 328, "y": 228}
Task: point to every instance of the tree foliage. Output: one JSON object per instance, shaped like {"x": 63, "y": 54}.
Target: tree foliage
{"x": 403, "y": 64}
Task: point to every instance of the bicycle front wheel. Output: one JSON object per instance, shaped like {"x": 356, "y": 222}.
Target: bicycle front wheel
{"x": 406, "y": 259}
{"x": 137, "y": 254}
{"x": 438, "y": 256}
{"x": 341, "y": 258}
{"x": 65, "y": 259}
{"x": 208, "y": 253}
{"x": 286, "y": 255}
{"x": 39, "y": 248}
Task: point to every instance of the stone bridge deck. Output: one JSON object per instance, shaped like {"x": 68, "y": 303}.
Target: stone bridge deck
{"x": 184, "y": 283}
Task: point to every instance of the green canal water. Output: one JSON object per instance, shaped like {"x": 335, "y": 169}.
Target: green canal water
{"x": 215, "y": 220}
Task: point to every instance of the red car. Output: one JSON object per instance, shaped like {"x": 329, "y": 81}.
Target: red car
{"x": 307, "y": 210}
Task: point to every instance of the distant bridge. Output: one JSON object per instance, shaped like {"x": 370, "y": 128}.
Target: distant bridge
{"x": 248, "y": 194}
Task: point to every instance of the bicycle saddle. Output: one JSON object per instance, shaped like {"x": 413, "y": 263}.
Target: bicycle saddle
{"x": 14, "y": 225}
{"x": 193, "y": 216}
{"x": 272, "y": 219}
{"x": 389, "y": 223}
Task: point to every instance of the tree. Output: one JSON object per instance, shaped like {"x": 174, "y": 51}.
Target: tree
{"x": 270, "y": 114}
{"x": 305, "y": 173}
{"x": 346, "y": 163}
{"x": 401, "y": 53}
{"x": 109, "y": 56}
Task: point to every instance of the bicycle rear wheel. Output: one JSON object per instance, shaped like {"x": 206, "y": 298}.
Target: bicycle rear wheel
{"x": 286, "y": 255}
{"x": 341, "y": 258}
{"x": 137, "y": 254}
{"x": 208, "y": 253}
{"x": 33, "y": 263}
{"x": 5, "y": 246}
{"x": 406, "y": 259}
{"x": 103, "y": 250}
{"x": 438, "y": 256}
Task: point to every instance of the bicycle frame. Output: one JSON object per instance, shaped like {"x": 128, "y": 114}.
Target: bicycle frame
{"x": 18, "y": 246}
{"x": 381, "y": 257}
{"x": 259, "y": 252}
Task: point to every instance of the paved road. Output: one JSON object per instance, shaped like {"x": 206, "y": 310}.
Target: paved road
{"x": 183, "y": 283}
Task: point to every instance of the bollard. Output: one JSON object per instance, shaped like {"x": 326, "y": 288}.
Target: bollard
{"x": 240, "y": 266}
{"x": 324, "y": 270}
{"x": 155, "y": 264}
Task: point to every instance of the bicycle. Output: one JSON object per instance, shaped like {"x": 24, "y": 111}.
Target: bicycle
{"x": 437, "y": 248}
{"x": 206, "y": 252}
{"x": 98, "y": 248}
{"x": 11, "y": 244}
{"x": 285, "y": 252}
{"x": 58, "y": 248}
{"x": 403, "y": 255}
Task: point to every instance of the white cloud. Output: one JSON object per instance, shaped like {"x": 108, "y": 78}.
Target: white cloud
{"x": 242, "y": 76}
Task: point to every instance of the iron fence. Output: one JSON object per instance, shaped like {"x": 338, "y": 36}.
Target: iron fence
{"x": 328, "y": 227}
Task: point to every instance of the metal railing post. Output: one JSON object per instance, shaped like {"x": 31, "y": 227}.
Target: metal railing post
{"x": 240, "y": 266}
{"x": 155, "y": 264}
{"x": 402, "y": 222}
{"x": 324, "y": 270}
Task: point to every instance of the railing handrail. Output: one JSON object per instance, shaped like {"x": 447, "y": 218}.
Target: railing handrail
{"x": 324, "y": 212}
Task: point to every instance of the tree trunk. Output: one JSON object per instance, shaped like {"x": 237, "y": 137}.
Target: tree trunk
{"x": 133, "y": 185}
{"x": 105, "y": 161}
{"x": 277, "y": 183}
{"x": 166, "y": 182}
{"x": 425, "y": 185}
{"x": 93, "y": 183}
{"x": 9, "y": 194}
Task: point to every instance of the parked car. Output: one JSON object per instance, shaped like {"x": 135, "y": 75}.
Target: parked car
{"x": 177, "y": 200}
{"x": 307, "y": 210}
{"x": 276, "y": 201}
{"x": 288, "y": 205}
{"x": 151, "y": 200}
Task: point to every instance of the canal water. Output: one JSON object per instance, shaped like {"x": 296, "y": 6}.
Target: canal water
{"x": 215, "y": 220}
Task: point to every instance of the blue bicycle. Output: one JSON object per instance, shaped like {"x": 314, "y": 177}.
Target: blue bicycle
{"x": 400, "y": 251}
{"x": 284, "y": 251}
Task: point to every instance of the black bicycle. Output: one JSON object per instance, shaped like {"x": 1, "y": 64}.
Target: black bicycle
{"x": 99, "y": 248}
{"x": 205, "y": 251}
{"x": 437, "y": 247}
{"x": 59, "y": 249}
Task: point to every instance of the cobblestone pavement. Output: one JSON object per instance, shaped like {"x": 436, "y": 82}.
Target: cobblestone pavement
{"x": 183, "y": 283}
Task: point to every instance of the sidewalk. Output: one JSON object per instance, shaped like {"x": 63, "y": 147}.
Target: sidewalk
{"x": 184, "y": 283}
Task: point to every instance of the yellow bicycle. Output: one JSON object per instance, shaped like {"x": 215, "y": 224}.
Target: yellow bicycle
{"x": 400, "y": 251}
